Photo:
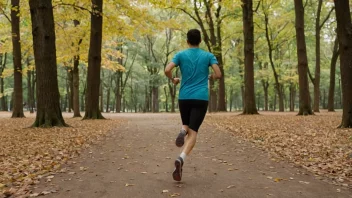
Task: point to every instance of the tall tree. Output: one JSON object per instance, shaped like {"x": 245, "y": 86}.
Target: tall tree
{"x": 75, "y": 75}
{"x": 304, "y": 100}
{"x": 48, "y": 97}
{"x": 248, "y": 32}
{"x": 335, "y": 56}
{"x": 16, "y": 43}
{"x": 344, "y": 34}
{"x": 318, "y": 27}
{"x": 94, "y": 62}
{"x": 273, "y": 46}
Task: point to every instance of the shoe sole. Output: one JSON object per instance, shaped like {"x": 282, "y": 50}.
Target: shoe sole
{"x": 177, "y": 174}
{"x": 180, "y": 140}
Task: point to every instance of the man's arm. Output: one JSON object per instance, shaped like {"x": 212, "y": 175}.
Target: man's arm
{"x": 168, "y": 70}
{"x": 217, "y": 73}
{"x": 168, "y": 73}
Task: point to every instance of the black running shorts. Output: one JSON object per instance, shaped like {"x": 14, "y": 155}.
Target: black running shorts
{"x": 193, "y": 112}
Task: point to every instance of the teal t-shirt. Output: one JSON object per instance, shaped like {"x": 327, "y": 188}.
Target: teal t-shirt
{"x": 194, "y": 65}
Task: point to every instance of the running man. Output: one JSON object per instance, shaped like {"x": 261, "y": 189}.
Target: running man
{"x": 194, "y": 64}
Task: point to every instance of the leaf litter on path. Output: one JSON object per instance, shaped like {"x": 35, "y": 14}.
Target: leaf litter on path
{"x": 312, "y": 142}
{"x": 28, "y": 154}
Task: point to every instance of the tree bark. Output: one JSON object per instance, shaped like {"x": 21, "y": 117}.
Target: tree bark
{"x": 335, "y": 56}
{"x": 101, "y": 93}
{"x": 266, "y": 94}
{"x": 3, "y": 61}
{"x": 17, "y": 58}
{"x": 48, "y": 96}
{"x": 344, "y": 34}
{"x": 248, "y": 27}
{"x": 292, "y": 97}
{"x": 108, "y": 95}
{"x": 155, "y": 99}
{"x": 75, "y": 91}
{"x": 69, "y": 89}
{"x": 94, "y": 62}
{"x": 317, "y": 59}
{"x": 30, "y": 87}
{"x": 118, "y": 91}
{"x": 83, "y": 96}
{"x": 213, "y": 97}
{"x": 304, "y": 102}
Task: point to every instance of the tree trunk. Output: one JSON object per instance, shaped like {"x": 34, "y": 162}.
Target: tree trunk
{"x": 344, "y": 34}
{"x": 249, "y": 96}
{"x": 108, "y": 95}
{"x": 155, "y": 96}
{"x": 275, "y": 101}
{"x": 304, "y": 102}
{"x": 278, "y": 85}
{"x": 94, "y": 62}
{"x": 213, "y": 97}
{"x": 75, "y": 91}
{"x": 146, "y": 99}
{"x": 118, "y": 92}
{"x": 292, "y": 97}
{"x": 69, "y": 89}
{"x": 266, "y": 94}
{"x": 83, "y": 96}
{"x": 172, "y": 90}
{"x": 317, "y": 59}
{"x": 221, "y": 100}
{"x": 101, "y": 93}
{"x": 335, "y": 56}
{"x": 16, "y": 47}
{"x": 324, "y": 99}
{"x": 48, "y": 96}
{"x": 231, "y": 98}
{"x": 30, "y": 92}
{"x": 75, "y": 77}
{"x": 3, "y": 61}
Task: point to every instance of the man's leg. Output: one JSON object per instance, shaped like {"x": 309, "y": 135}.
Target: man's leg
{"x": 190, "y": 141}
{"x": 185, "y": 109}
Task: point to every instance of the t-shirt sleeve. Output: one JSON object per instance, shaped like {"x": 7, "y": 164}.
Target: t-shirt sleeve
{"x": 213, "y": 60}
{"x": 176, "y": 59}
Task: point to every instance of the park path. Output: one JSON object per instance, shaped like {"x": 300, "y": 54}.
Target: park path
{"x": 136, "y": 160}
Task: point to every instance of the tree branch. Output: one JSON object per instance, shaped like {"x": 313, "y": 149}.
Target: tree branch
{"x": 256, "y": 9}
{"x": 327, "y": 17}
{"x": 74, "y": 6}
{"x": 4, "y": 13}
{"x": 189, "y": 14}
{"x": 311, "y": 77}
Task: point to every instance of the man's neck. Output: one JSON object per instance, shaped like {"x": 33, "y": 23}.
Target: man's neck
{"x": 193, "y": 46}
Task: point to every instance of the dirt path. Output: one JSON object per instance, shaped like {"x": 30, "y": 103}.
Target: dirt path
{"x": 137, "y": 161}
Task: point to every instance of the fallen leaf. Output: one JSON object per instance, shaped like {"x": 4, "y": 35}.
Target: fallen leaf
{"x": 175, "y": 195}
{"x": 231, "y": 186}
{"x": 127, "y": 185}
{"x": 165, "y": 191}
{"x": 34, "y": 195}
{"x": 45, "y": 192}
{"x": 278, "y": 179}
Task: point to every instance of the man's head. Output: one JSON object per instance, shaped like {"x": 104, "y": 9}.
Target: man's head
{"x": 193, "y": 37}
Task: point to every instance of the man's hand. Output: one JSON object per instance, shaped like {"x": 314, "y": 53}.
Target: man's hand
{"x": 176, "y": 81}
